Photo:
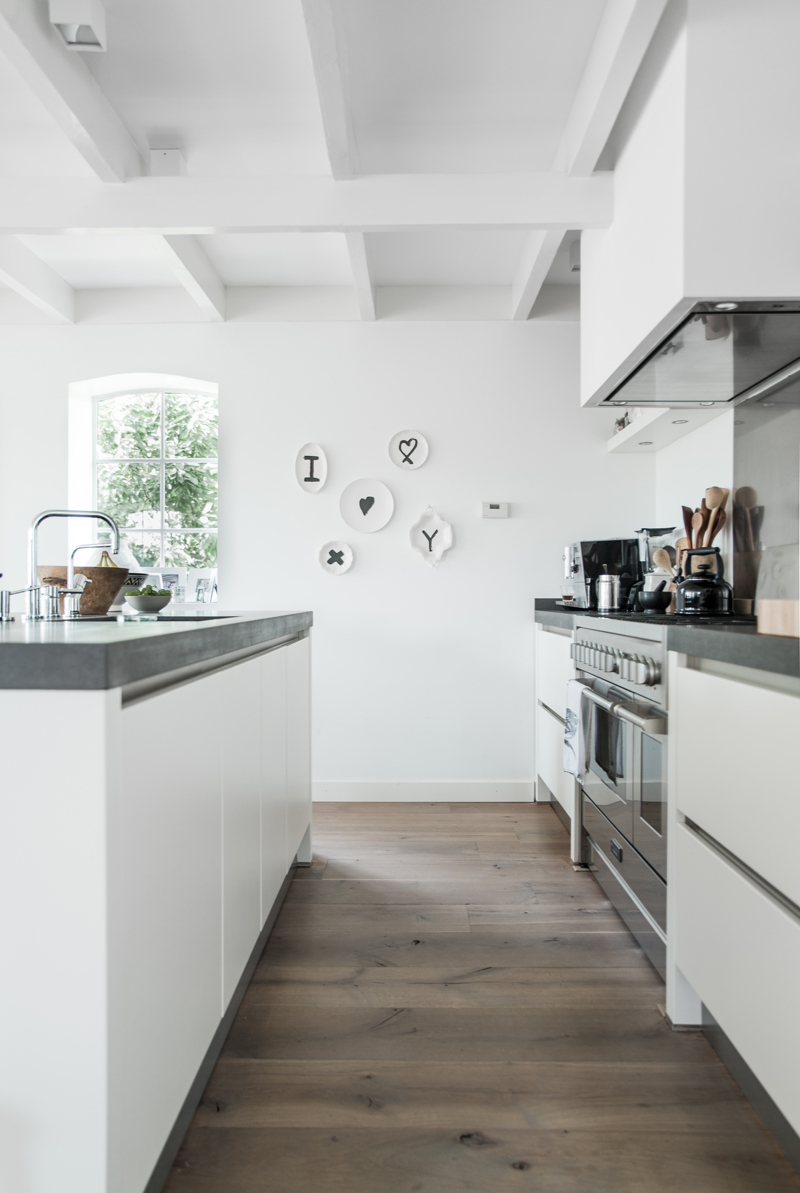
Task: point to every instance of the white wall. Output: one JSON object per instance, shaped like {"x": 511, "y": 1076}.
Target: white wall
{"x": 419, "y": 674}
{"x": 685, "y": 469}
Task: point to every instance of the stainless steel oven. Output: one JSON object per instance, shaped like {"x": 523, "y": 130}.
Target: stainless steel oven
{"x": 626, "y": 776}
{"x": 624, "y": 783}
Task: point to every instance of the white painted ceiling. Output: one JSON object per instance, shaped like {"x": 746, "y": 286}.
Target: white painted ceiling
{"x": 455, "y": 86}
{"x": 266, "y": 93}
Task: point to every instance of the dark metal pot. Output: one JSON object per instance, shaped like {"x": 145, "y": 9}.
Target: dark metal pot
{"x": 704, "y": 592}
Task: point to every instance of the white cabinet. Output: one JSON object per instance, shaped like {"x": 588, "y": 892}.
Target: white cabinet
{"x": 148, "y": 854}
{"x": 553, "y": 667}
{"x": 274, "y": 849}
{"x": 298, "y": 745}
{"x": 740, "y": 950}
{"x": 165, "y": 925}
{"x": 243, "y": 748}
{"x": 550, "y": 759}
{"x": 734, "y": 769}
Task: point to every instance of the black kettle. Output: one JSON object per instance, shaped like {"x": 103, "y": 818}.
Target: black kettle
{"x": 704, "y": 592}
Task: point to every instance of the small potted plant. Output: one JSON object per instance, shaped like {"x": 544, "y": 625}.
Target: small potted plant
{"x": 148, "y": 599}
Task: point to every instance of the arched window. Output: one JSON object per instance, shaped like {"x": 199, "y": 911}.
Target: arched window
{"x": 155, "y": 471}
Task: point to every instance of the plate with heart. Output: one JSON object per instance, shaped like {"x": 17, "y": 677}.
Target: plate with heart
{"x": 408, "y": 450}
{"x": 366, "y": 505}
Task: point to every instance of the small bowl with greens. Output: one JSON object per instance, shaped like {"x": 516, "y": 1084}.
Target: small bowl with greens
{"x": 148, "y": 599}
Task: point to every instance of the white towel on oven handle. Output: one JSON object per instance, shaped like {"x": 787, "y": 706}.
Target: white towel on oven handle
{"x": 575, "y": 729}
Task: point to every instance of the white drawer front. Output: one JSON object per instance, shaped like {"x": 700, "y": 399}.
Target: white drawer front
{"x": 553, "y": 668}
{"x": 735, "y": 774}
{"x": 550, "y": 758}
{"x": 741, "y": 952}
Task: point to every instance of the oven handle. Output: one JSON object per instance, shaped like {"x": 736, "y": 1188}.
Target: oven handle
{"x": 653, "y": 724}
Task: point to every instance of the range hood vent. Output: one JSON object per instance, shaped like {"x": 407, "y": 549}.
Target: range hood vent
{"x": 717, "y": 356}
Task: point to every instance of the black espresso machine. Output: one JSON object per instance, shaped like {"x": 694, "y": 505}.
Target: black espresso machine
{"x": 585, "y": 561}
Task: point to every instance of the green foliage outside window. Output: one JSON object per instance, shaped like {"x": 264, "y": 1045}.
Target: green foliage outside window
{"x": 156, "y": 474}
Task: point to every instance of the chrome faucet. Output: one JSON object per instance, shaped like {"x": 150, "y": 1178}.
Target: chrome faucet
{"x": 75, "y": 550}
{"x": 34, "y": 590}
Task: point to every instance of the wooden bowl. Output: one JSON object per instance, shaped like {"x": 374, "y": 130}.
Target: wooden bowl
{"x": 98, "y": 597}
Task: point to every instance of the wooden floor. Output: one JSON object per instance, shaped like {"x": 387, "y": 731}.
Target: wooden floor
{"x": 446, "y": 1005}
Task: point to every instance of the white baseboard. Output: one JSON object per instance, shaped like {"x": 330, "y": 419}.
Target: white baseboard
{"x": 449, "y": 791}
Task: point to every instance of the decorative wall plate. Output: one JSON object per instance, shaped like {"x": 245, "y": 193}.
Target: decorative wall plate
{"x": 408, "y": 450}
{"x": 431, "y": 536}
{"x": 336, "y": 557}
{"x": 311, "y": 468}
{"x": 366, "y": 505}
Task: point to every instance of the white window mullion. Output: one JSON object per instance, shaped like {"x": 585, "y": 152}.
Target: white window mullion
{"x": 163, "y": 553}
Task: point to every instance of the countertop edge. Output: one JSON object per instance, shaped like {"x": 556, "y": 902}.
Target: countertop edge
{"x": 102, "y": 666}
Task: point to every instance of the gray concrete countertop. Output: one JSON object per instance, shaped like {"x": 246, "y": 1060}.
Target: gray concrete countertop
{"x": 63, "y": 655}
{"x": 721, "y": 641}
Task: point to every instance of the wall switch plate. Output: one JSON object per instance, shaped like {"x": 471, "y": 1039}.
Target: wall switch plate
{"x": 494, "y": 509}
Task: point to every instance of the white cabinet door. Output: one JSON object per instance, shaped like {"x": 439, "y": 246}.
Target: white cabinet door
{"x": 298, "y": 704}
{"x": 553, "y": 668}
{"x": 241, "y": 723}
{"x": 734, "y": 770}
{"x": 165, "y": 996}
{"x": 550, "y": 769}
{"x": 740, "y": 950}
{"x": 273, "y": 789}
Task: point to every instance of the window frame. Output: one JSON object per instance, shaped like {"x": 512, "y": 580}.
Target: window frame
{"x": 160, "y": 460}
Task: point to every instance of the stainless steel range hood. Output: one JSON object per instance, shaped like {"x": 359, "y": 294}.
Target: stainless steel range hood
{"x": 720, "y": 353}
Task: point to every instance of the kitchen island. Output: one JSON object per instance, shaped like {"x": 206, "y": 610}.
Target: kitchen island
{"x": 155, "y": 801}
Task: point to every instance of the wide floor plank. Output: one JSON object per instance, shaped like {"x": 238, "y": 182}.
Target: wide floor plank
{"x": 470, "y": 1160}
{"x": 446, "y": 1006}
{"x": 512, "y": 1095}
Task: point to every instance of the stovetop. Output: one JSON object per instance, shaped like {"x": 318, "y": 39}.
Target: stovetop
{"x": 717, "y": 619}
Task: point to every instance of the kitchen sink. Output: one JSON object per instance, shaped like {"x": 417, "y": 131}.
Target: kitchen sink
{"x": 145, "y": 617}
{"x": 187, "y": 617}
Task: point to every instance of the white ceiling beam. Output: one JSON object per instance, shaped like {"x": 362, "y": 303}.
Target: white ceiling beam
{"x": 66, "y": 87}
{"x": 27, "y": 275}
{"x": 329, "y": 59}
{"x": 537, "y": 257}
{"x": 302, "y": 203}
{"x": 195, "y": 273}
{"x": 624, "y": 34}
{"x": 365, "y": 292}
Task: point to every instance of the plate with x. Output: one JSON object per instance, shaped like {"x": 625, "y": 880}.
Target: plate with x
{"x": 336, "y": 557}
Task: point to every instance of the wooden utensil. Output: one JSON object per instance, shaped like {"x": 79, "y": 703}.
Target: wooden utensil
{"x": 706, "y": 513}
{"x": 662, "y": 560}
{"x": 715, "y": 498}
{"x": 687, "y": 521}
{"x": 681, "y": 545}
{"x": 720, "y": 522}
{"x": 697, "y": 525}
{"x": 756, "y": 520}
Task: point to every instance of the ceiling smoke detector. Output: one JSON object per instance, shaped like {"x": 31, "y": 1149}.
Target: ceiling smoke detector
{"x": 81, "y": 23}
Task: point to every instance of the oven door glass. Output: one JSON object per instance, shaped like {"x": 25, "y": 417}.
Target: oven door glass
{"x": 650, "y": 810}
{"x": 609, "y": 777}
